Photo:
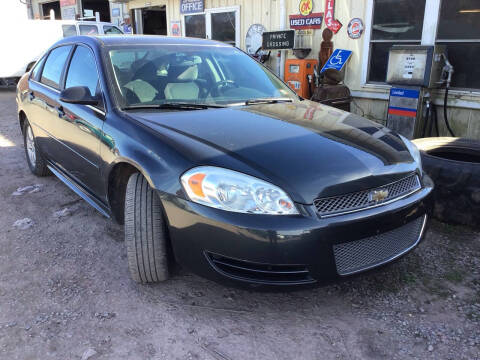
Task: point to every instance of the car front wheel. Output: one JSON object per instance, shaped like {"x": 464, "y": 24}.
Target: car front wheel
{"x": 35, "y": 160}
{"x": 145, "y": 232}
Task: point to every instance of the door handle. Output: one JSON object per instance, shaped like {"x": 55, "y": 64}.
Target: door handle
{"x": 61, "y": 111}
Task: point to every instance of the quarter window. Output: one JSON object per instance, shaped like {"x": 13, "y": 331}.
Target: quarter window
{"x": 394, "y": 22}
{"x": 52, "y": 71}
{"x": 37, "y": 68}
{"x": 83, "y": 70}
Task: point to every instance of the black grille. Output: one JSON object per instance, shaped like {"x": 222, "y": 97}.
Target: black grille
{"x": 337, "y": 205}
{"x": 258, "y": 272}
{"x": 355, "y": 256}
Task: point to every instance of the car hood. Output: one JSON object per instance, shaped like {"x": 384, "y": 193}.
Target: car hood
{"x": 308, "y": 149}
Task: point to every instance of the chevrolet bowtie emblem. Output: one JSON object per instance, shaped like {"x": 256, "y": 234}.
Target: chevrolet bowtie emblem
{"x": 377, "y": 195}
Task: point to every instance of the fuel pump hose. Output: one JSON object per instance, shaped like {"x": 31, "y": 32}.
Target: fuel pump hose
{"x": 445, "y": 113}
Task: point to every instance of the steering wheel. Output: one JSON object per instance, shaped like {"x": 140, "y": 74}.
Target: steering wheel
{"x": 224, "y": 84}
{"x": 221, "y": 86}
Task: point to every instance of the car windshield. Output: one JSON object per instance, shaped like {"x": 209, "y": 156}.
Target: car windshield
{"x": 207, "y": 75}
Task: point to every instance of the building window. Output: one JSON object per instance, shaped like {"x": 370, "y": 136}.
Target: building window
{"x": 221, "y": 24}
{"x": 459, "y": 30}
{"x": 402, "y": 22}
{"x": 195, "y": 26}
{"x": 394, "y": 22}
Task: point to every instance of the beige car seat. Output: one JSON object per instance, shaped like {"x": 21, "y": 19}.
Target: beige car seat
{"x": 184, "y": 86}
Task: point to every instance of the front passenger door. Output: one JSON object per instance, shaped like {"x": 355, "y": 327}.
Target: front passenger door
{"x": 80, "y": 127}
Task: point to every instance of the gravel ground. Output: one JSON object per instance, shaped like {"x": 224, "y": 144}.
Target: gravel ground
{"x": 65, "y": 292}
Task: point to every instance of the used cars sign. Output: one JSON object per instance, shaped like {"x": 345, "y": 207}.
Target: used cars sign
{"x": 312, "y": 21}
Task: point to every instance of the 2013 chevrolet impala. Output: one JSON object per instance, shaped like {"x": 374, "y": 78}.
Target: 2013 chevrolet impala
{"x": 211, "y": 161}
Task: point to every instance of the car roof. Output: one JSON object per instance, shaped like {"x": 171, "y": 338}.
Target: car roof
{"x": 81, "y": 22}
{"x": 113, "y": 40}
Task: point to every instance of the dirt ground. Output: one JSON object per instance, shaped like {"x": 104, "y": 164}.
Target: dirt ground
{"x": 65, "y": 292}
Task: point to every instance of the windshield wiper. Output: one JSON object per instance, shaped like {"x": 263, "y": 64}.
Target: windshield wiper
{"x": 267, "y": 101}
{"x": 173, "y": 106}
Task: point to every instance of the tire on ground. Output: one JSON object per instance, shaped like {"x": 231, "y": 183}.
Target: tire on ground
{"x": 39, "y": 166}
{"x": 454, "y": 166}
{"x": 145, "y": 232}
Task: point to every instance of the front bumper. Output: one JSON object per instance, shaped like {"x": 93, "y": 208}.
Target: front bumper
{"x": 291, "y": 250}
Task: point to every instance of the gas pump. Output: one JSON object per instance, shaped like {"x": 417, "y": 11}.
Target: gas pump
{"x": 299, "y": 72}
{"x": 413, "y": 71}
{"x": 299, "y": 75}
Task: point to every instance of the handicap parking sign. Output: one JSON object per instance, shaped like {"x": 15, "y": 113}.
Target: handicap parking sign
{"x": 337, "y": 60}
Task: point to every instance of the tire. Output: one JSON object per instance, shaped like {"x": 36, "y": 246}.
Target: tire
{"x": 454, "y": 166}
{"x": 145, "y": 232}
{"x": 35, "y": 160}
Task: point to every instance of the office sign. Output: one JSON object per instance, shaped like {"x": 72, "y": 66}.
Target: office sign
{"x": 312, "y": 21}
{"x": 191, "y": 6}
{"x": 337, "y": 60}
{"x": 278, "y": 40}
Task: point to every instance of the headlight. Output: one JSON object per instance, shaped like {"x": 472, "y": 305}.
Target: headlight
{"x": 413, "y": 150}
{"x": 233, "y": 191}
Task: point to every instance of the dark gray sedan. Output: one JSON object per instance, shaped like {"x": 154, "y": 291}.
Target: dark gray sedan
{"x": 211, "y": 161}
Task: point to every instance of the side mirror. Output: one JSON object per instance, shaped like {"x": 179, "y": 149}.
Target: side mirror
{"x": 78, "y": 95}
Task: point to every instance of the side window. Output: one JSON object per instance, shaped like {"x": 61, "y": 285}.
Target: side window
{"x": 69, "y": 30}
{"x": 82, "y": 70}
{"x": 401, "y": 23}
{"x": 36, "y": 68}
{"x": 52, "y": 70}
{"x": 111, "y": 30}
{"x": 88, "y": 29}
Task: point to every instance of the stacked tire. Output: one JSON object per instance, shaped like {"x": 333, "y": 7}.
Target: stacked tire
{"x": 454, "y": 166}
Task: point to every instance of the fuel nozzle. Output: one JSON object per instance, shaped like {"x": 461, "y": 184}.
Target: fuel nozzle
{"x": 447, "y": 71}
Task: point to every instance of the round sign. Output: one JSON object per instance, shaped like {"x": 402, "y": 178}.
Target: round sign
{"x": 253, "y": 39}
{"x": 355, "y": 28}
{"x": 305, "y": 7}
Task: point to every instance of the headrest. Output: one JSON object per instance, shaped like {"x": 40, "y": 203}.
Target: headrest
{"x": 190, "y": 74}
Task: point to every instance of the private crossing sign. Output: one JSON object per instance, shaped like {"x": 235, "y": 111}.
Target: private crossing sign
{"x": 337, "y": 60}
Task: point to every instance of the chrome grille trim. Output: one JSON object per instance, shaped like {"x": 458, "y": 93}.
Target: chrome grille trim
{"x": 357, "y": 201}
{"x": 360, "y": 255}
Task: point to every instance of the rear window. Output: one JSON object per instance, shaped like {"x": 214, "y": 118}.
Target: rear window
{"x": 69, "y": 30}
{"x": 111, "y": 30}
{"x": 53, "y": 68}
{"x": 88, "y": 29}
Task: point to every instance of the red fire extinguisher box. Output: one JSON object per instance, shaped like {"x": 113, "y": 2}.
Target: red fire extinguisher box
{"x": 297, "y": 72}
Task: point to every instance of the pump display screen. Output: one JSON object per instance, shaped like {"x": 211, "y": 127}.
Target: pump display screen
{"x": 407, "y": 66}
{"x": 294, "y": 69}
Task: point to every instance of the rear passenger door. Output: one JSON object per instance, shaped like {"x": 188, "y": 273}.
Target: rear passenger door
{"x": 80, "y": 127}
{"x": 44, "y": 94}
